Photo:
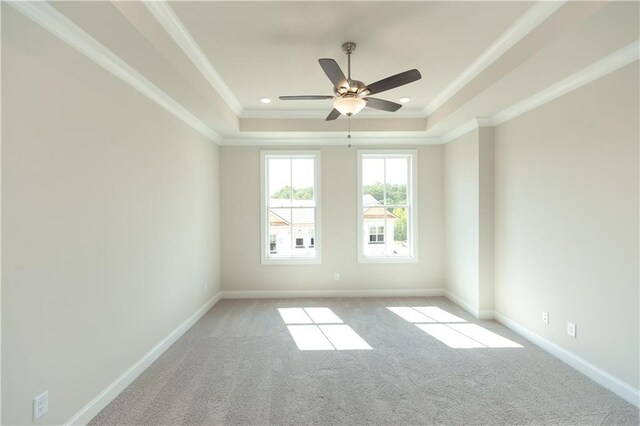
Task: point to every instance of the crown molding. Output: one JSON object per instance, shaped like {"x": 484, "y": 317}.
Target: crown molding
{"x": 331, "y": 141}
{"x": 183, "y": 38}
{"x": 463, "y": 129}
{"x": 531, "y": 19}
{"x": 59, "y": 25}
{"x": 368, "y": 113}
{"x": 604, "y": 66}
{"x": 613, "y": 62}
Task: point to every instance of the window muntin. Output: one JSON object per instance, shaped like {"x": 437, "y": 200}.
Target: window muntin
{"x": 376, "y": 235}
{"x": 290, "y": 212}
{"x": 387, "y": 182}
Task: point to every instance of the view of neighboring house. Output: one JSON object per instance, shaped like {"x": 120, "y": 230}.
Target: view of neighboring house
{"x": 379, "y": 228}
{"x": 292, "y": 230}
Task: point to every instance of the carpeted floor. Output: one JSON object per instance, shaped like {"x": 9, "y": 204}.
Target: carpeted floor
{"x": 240, "y": 365}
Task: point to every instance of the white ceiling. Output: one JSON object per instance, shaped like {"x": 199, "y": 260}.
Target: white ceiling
{"x": 272, "y": 48}
{"x": 214, "y": 60}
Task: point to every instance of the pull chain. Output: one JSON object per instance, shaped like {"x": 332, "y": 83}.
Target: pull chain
{"x": 349, "y": 130}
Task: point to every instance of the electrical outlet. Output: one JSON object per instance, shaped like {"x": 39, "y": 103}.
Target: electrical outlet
{"x": 545, "y": 317}
{"x": 40, "y": 405}
{"x": 336, "y": 276}
{"x": 571, "y": 329}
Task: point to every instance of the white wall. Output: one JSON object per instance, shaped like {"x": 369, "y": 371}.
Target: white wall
{"x": 240, "y": 211}
{"x": 462, "y": 218}
{"x": 566, "y": 224}
{"x": 110, "y": 224}
{"x": 486, "y": 216}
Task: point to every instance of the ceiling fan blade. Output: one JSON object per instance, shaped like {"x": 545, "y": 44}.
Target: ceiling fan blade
{"x": 394, "y": 81}
{"x": 333, "y": 71}
{"x": 382, "y": 104}
{"x": 333, "y": 115}
{"x": 304, "y": 97}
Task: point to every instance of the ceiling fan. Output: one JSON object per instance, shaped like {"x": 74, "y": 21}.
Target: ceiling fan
{"x": 353, "y": 95}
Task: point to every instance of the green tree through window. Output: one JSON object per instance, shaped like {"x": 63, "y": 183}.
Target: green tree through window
{"x": 396, "y": 193}
{"x": 298, "y": 194}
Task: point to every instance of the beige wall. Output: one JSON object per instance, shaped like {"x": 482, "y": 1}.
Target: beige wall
{"x": 566, "y": 183}
{"x": 240, "y": 210}
{"x": 110, "y": 224}
{"x": 486, "y": 215}
{"x": 462, "y": 238}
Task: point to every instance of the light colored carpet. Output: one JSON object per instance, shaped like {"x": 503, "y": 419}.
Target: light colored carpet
{"x": 240, "y": 365}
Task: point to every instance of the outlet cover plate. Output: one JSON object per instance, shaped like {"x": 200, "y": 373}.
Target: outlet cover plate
{"x": 40, "y": 405}
{"x": 571, "y": 329}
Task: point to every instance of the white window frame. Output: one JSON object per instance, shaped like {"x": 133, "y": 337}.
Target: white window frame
{"x": 265, "y": 254}
{"x": 412, "y": 191}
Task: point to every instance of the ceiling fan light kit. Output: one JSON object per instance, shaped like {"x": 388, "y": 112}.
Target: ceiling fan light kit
{"x": 349, "y": 105}
{"x": 351, "y": 96}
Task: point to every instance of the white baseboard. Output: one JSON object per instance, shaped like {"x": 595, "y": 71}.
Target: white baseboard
{"x": 480, "y": 314}
{"x": 285, "y": 294}
{"x": 620, "y": 388}
{"x": 106, "y": 396}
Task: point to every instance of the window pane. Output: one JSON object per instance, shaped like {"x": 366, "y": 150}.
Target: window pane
{"x": 397, "y": 222}
{"x": 279, "y": 232}
{"x": 396, "y": 181}
{"x": 372, "y": 181}
{"x": 303, "y": 172}
{"x": 304, "y": 232}
{"x": 374, "y": 231}
{"x": 279, "y": 182}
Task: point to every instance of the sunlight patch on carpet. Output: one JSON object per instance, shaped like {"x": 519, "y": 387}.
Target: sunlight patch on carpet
{"x": 450, "y": 329}
{"x": 320, "y": 329}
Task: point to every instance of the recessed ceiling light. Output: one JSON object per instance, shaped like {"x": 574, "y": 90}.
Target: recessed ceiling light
{"x": 404, "y": 100}
{"x": 265, "y": 100}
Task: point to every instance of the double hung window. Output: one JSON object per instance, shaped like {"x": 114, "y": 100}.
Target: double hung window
{"x": 290, "y": 207}
{"x": 387, "y": 219}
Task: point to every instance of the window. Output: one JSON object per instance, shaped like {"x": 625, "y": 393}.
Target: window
{"x": 387, "y": 208}
{"x": 376, "y": 235}
{"x": 290, "y": 207}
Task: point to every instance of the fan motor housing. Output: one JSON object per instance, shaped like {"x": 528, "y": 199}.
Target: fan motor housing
{"x": 354, "y": 87}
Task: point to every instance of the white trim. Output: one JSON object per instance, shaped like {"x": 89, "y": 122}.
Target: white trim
{"x": 598, "y": 69}
{"x": 179, "y": 33}
{"x": 463, "y": 129}
{"x": 467, "y": 127}
{"x": 615, "y": 385}
{"x": 477, "y": 313}
{"x": 59, "y": 25}
{"x": 530, "y": 20}
{"x": 287, "y": 294}
{"x": 413, "y": 196}
{"x": 332, "y": 141}
{"x": 90, "y": 410}
{"x": 316, "y": 155}
{"x": 268, "y": 112}
{"x": 458, "y": 301}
